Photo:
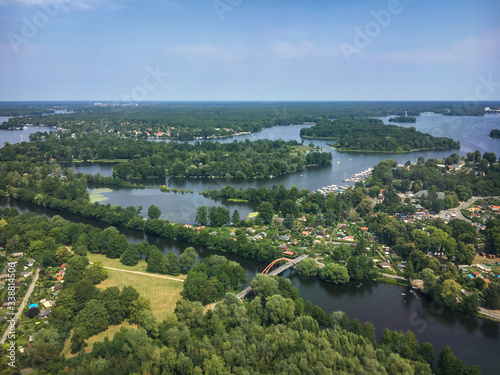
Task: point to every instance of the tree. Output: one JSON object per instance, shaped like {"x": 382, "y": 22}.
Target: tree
{"x": 139, "y": 306}
{"x": 289, "y": 221}
{"x": 201, "y": 215}
{"x": 308, "y": 267}
{"x": 218, "y": 216}
{"x": 266, "y": 212}
{"x": 264, "y": 286}
{"x": 93, "y": 317}
{"x": 154, "y": 212}
{"x": 426, "y": 352}
{"x": 492, "y": 295}
{"x": 334, "y": 273}
{"x": 62, "y": 254}
{"x": 80, "y": 334}
{"x": 154, "y": 261}
{"x": 429, "y": 278}
{"x": 96, "y": 273}
{"x": 235, "y": 218}
{"x": 131, "y": 256}
{"x": 364, "y": 208}
{"x": 188, "y": 259}
{"x": 279, "y": 309}
{"x": 172, "y": 264}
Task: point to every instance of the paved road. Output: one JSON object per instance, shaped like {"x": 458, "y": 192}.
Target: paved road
{"x": 489, "y": 313}
{"x": 393, "y": 276}
{"x": 462, "y": 206}
{"x": 22, "y": 305}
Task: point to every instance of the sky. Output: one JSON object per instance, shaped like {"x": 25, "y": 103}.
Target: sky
{"x": 249, "y": 50}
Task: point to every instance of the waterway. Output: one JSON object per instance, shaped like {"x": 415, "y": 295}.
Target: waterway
{"x": 472, "y": 132}
{"x": 476, "y": 341}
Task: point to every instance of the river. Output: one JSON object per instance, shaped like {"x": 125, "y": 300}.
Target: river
{"x": 474, "y": 340}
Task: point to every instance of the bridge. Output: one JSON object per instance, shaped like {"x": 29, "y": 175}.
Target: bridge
{"x": 289, "y": 263}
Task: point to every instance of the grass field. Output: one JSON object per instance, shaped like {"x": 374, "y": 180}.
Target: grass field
{"x": 162, "y": 293}
{"x": 109, "y": 333}
{"x": 115, "y": 263}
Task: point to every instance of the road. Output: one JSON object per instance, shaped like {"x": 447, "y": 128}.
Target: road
{"x": 462, "y": 206}
{"x": 494, "y": 314}
{"x": 22, "y": 305}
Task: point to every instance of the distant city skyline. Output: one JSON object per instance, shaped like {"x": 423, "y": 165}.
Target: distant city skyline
{"x": 241, "y": 50}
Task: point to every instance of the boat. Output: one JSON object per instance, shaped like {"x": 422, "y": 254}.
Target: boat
{"x": 338, "y": 162}
{"x": 403, "y": 294}
{"x": 359, "y": 285}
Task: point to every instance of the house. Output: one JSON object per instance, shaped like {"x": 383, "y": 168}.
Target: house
{"x": 279, "y": 220}
{"x": 30, "y": 262}
{"x": 199, "y": 228}
{"x": 401, "y": 266}
{"x": 58, "y": 287}
{"x": 285, "y": 238}
{"x": 348, "y": 238}
{"x": 364, "y": 229}
{"x": 188, "y": 226}
{"x": 295, "y": 243}
{"x": 289, "y": 253}
{"x": 282, "y": 247}
{"x": 17, "y": 255}
{"x": 384, "y": 265}
{"x": 45, "y": 312}
{"x": 483, "y": 267}
{"x": 63, "y": 266}
{"x": 316, "y": 242}
{"x": 59, "y": 278}
{"x": 305, "y": 233}
{"x": 495, "y": 208}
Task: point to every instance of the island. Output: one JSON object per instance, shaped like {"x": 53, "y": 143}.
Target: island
{"x": 411, "y": 119}
{"x": 372, "y": 135}
{"x": 495, "y": 133}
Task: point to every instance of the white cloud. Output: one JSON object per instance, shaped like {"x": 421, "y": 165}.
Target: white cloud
{"x": 482, "y": 49}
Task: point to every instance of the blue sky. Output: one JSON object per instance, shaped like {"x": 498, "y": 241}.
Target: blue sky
{"x": 249, "y": 50}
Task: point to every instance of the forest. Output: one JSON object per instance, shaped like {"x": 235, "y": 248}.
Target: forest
{"x": 193, "y": 120}
{"x": 273, "y": 331}
{"x": 262, "y": 158}
{"x": 372, "y": 135}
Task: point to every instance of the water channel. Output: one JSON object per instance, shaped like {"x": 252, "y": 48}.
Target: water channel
{"x": 476, "y": 341}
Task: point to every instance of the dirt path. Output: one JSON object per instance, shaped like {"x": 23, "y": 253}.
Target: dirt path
{"x": 145, "y": 273}
{"x": 22, "y": 305}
